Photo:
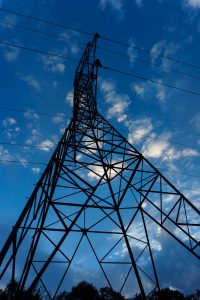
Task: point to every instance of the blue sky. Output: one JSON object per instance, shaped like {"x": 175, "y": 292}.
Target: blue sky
{"x": 163, "y": 123}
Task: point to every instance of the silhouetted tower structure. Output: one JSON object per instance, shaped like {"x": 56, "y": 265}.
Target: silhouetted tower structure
{"x": 97, "y": 188}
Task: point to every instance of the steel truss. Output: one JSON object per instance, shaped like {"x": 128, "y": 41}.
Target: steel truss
{"x": 95, "y": 186}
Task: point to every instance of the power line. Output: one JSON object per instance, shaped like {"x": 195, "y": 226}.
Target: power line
{"x": 164, "y": 140}
{"x": 150, "y": 52}
{"x": 176, "y": 172}
{"x": 102, "y": 37}
{"x": 66, "y": 116}
{"x": 154, "y": 138}
{"x": 27, "y": 145}
{"x": 54, "y": 144}
{"x": 43, "y": 163}
{"x": 150, "y": 63}
{"x": 43, "y": 32}
{"x": 102, "y": 49}
{"x": 39, "y": 51}
{"x": 22, "y": 162}
{"x": 46, "y": 21}
{"x": 32, "y": 88}
{"x": 105, "y": 67}
{"x": 151, "y": 80}
{"x": 33, "y": 112}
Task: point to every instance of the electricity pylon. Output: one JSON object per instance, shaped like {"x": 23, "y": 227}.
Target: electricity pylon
{"x": 99, "y": 191}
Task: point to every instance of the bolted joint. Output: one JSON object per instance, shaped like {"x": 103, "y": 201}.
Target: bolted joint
{"x": 84, "y": 231}
{"x": 116, "y": 207}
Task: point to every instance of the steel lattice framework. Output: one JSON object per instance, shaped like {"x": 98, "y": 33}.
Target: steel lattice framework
{"x": 66, "y": 208}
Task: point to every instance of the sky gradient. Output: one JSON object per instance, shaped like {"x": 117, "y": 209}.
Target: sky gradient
{"x": 160, "y": 121}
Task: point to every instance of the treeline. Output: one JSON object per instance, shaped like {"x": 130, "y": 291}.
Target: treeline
{"x": 86, "y": 291}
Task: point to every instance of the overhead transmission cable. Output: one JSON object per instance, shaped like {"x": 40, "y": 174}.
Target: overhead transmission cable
{"x": 32, "y": 88}
{"x": 43, "y": 32}
{"x": 102, "y": 37}
{"x": 46, "y": 21}
{"x": 39, "y": 51}
{"x": 104, "y": 67}
{"x": 148, "y": 136}
{"x": 150, "y": 52}
{"x": 33, "y": 112}
{"x": 43, "y": 163}
{"x": 78, "y": 42}
{"x": 139, "y": 76}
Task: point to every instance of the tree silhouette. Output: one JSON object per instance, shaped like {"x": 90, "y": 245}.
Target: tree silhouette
{"x": 12, "y": 291}
{"x": 168, "y": 294}
{"x": 86, "y": 291}
{"x": 83, "y": 291}
{"x": 107, "y": 293}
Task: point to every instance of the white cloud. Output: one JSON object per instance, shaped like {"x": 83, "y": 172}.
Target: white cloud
{"x": 173, "y": 154}
{"x": 11, "y": 130}
{"x": 59, "y": 118}
{"x": 147, "y": 89}
{"x": 69, "y": 98}
{"x": 196, "y": 121}
{"x": 160, "y": 92}
{"x": 117, "y": 110}
{"x": 119, "y": 102}
{"x": 131, "y": 52}
{"x": 58, "y": 68}
{"x": 68, "y": 37}
{"x": 53, "y": 64}
{"x": 34, "y": 135}
{"x": 62, "y": 130}
{"x": 35, "y": 170}
{"x": 23, "y": 161}
{"x": 155, "y": 149}
{"x": 31, "y": 114}
{"x": 46, "y": 145}
{"x": 64, "y": 35}
{"x": 10, "y": 53}
{"x": 193, "y": 3}
{"x": 165, "y": 49}
{"x": 9, "y": 122}
{"x": 138, "y": 2}
{"x": 139, "y": 89}
{"x": 161, "y": 149}
{"x": 74, "y": 49}
{"x": 139, "y": 129}
{"x": 8, "y": 19}
{"x": 115, "y": 4}
{"x": 30, "y": 80}
{"x": 5, "y": 155}
{"x": 139, "y": 232}
{"x": 97, "y": 171}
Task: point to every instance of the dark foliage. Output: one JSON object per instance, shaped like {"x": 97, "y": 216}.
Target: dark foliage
{"x": 168, "y": 294}
{"x": 13, "y": 291}
{"x": 107, "y": 293}
{"x": 82, "y": 291}
{"x": 86, "y": 291}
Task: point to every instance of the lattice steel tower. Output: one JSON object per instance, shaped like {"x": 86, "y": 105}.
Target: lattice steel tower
{"x": 99, "y": 191}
